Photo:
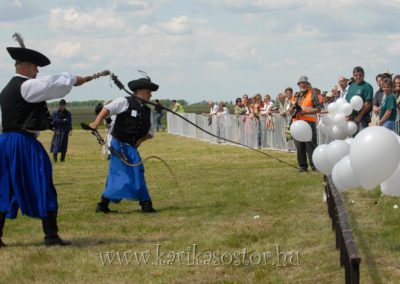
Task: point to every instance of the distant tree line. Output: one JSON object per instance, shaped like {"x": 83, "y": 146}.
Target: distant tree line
{"x": 91, "y": 103}
{"x": 94, "y": 103}
{"x": 198, "y": 107}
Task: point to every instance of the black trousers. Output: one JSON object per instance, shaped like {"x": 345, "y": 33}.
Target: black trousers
{"x": 105, "y": 202}
{"x": 2, "y": 221}
{"x": 62, "y": 156}
{"x": 306, "y": 149}
{"x": 49, "y": 225}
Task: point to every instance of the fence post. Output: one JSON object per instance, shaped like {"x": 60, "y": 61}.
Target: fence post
{"x": 349, "y": 256}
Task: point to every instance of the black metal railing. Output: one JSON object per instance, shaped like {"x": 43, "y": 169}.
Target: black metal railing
{"x": 349, "y": 256}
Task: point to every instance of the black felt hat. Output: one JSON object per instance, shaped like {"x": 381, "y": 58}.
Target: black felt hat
{"x": 62, "y": 102}
{"x": 21, "y": 54}
{"x": 142, "y": 83}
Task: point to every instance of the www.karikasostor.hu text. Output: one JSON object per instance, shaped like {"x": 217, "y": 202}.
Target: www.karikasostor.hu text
{"x": 192, "y": 256}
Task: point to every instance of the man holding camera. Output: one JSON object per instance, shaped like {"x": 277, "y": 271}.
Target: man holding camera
{"x": 305, "y": 106}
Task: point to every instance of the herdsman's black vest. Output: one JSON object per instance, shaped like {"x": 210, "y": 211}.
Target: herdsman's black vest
{"x": 132, "y": 124}
{"x": 18, "y": 114}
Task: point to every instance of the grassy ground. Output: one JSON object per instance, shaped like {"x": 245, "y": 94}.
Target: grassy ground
{"x": 261, "y": 222}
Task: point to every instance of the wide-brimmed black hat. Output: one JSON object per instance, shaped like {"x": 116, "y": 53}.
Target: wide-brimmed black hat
{"x": 21, "y": 54}
{"x": 142, "y": 83}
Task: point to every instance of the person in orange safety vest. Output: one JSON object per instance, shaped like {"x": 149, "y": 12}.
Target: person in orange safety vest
{"x": 305, "y": 106}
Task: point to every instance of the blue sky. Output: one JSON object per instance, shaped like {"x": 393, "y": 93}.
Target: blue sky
{"x": 200, "y": 50}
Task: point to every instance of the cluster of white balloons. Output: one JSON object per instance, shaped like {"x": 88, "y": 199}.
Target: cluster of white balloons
{"x": 368, "y": 160}
{"x": 334, "y": 123}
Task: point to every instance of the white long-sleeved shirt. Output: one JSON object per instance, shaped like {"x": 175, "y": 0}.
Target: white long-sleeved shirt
{"x": 45, "y": 88}
{"x": 120, "y": 105}
{"x": 214, "y": 109}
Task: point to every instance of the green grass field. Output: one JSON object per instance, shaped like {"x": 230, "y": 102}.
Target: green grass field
{"x": 234, "y": 217}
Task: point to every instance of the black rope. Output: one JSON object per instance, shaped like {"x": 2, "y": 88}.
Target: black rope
{"x": 119, "y": 84}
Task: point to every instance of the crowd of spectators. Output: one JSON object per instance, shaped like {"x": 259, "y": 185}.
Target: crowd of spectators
{"x": 381, "y": 107}
{"x": 307, "y": 102}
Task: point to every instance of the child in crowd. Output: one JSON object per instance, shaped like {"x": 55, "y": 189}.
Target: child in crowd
{"x": 387, "y": 114}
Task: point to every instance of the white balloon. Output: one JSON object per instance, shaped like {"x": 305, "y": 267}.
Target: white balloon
{"x": 340, "y": 101}
{"x": 323, "y": 128}
{"x": 357, "y": 103}
{"x": 374, "y": 155}
{"x": 339, "y": 119}
{"x": 345, "y": 174}
{"x": 327, "y": 119}
{"x": 349, "y": 140}
{"x": 352, "y": 127}
{"x": 333, "y": 108}
{"x": 391, "y": 186}
{"x": 336, "y": 181}
{"x": 337, "y": 149}
{"x": 320, "y": 161}
{"x": 301, "y": 131}
{"x": 346, "y": 109}
{"x": 335, "y": 132}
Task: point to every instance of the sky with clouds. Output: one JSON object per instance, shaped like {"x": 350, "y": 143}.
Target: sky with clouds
{"x": 205, "y": 49}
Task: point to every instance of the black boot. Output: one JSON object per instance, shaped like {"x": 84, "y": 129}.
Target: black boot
{"x": 55, "y": 157}
{"x": 2, "y": 222}
{"x": 50, "y": 229}
{"x": 62, "y": 157}
{"x": 102, "y": 206}
{"x": 147, "y": 206}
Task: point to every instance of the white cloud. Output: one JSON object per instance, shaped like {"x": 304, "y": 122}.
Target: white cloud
{"x": 17, "y": 3}
{"x": 131, "y": 5}
{"x": 393, "y": 47}
{"x": 138, "y": 8}
{"x": 243, "y": 51}
{"x": 145, "y": 30}
{"x": 306, "y": 30}
{"x": 71, "y": 19}
{"x": 80, "y": 66}
{"x": 177, "y": 25}
{"x": 227, "y": 46}
{"x": 257, "y": 6}
{"x": 67, "y": 49}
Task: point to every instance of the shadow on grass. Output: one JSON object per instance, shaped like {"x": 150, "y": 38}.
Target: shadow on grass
{"x": 372, "y": 268}
{"x": 88, "y": 242}
{"x": 369, "y": 260}
{"x": 362, "y": 243}
{"x": 63, "y": 183}
{"x": 159, "y": 210}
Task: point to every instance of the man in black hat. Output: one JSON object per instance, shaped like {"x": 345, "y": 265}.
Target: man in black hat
{"x": 62, "y": 122}
{"x": 26, "y": 180}
{"x": 133, "y": 125}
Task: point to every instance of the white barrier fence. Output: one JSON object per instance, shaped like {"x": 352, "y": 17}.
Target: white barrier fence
{"x": 255, "y": 133}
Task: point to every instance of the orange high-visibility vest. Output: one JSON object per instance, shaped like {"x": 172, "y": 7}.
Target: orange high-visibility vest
{"x": 306, "y": 104}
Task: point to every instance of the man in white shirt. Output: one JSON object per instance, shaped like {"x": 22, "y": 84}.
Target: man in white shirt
{"x": 213, "y": 109}
{"x": 343, "y": 83}
{"x": 26, "y": 181}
